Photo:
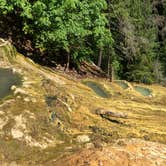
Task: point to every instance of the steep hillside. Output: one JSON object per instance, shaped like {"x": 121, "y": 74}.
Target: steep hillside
{"x": 51, "y": 115}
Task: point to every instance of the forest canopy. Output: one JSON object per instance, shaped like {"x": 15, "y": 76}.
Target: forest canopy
{"x": 125, "y": 38}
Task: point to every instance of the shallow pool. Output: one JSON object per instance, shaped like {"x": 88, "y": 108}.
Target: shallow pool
{"x": 143, "y": 91}
{"x": 97, "y": 88}
{"x": 7, "y": 79}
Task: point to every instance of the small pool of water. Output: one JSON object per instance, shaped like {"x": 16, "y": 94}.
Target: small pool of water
{"x": 143, "y": 91}
{"x": 122, "y": 84}
{"x": 97, "y": 89}
{"x": 7, "y": 79}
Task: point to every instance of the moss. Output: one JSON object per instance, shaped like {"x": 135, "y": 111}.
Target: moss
{"x": 14, "y": 150}
{"x": 9, "y": 53}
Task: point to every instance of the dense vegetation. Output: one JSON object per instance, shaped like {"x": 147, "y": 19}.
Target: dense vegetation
{"x": 127, "y": 38}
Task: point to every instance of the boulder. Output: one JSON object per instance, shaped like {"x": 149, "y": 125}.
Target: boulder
{"x": 101, "y": 111}
{"x": 20, "y": 92}
{"x": 83, "y": 138}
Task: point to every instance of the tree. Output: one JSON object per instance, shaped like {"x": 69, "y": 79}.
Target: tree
{"x": 135, "y": 36}
{"x": 66, "y": 25}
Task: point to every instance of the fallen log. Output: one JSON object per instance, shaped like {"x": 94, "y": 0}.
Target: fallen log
{"x": 91, "y": 69}
{"x": 101, "y": 111}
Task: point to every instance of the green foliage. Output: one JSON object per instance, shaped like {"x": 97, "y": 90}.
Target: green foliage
{"x": 135, "y": 36}
{"x": 128, "y": 35}
{"x": 142, "y": 70}
{"x": 67, "y": 23}
{"x": 62, "y": 25}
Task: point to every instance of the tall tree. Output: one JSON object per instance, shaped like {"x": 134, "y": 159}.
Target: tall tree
{"x": 67, "y": 25}
{"x": 135, "y": 34}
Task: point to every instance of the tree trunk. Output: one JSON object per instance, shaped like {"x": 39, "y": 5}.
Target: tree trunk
{"x": 91, "y": 69}
{"x": 110, "y": 68}
{"x": 68, "y": 62}
{"x": 111, "y": 74}
{"x": 108, "y": 65}
{"x": 100, "y": 57}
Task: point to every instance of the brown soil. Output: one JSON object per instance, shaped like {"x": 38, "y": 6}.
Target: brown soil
{"x": 134, "y": 152}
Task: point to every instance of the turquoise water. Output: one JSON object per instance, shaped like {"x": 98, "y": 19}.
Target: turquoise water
{"x": 7, "y": 79}
{"x": 97, "y": 89}
{"x": 122, "y": 84}
{"x": 143, "y": 91}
